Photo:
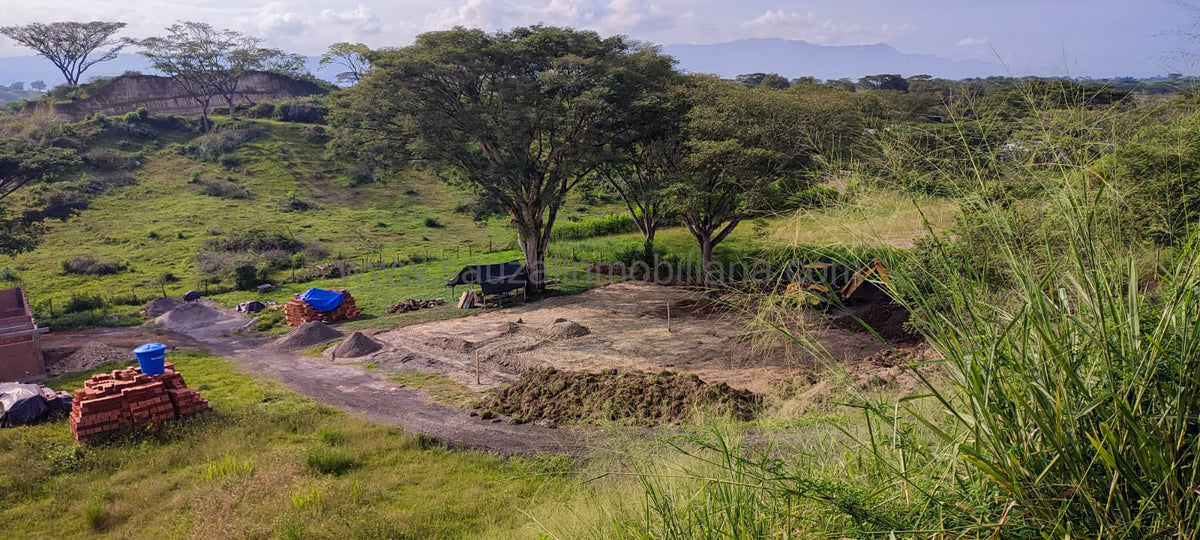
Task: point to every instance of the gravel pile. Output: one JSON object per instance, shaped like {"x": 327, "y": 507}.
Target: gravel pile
{"x": 90, "y": 355}
{"x": 307, "y": 336}
{"x": 358, "y": 344}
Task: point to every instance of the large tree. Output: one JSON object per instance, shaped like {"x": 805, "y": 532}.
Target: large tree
{"x": 353, "y": 57}
{"x": 209, "y": 63}
{"x": 72, "y": 47}
{"x": 521, "y": 113}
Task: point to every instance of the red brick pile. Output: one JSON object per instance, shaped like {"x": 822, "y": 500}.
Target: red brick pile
{"x": 298, "y": 312}
{"x": 126, "y": 399}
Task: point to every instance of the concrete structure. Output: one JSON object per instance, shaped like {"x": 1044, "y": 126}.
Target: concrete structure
{"x": 20, "y": 350}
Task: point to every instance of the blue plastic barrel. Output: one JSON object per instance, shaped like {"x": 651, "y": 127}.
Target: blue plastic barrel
{"x": 151, "y": 357}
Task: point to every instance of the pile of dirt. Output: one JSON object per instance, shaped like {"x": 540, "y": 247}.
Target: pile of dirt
{"x": 188, "y": 316}
{"x": 307, "y": 336}
{"x": 413, "y": 304}
{"x": 90, "y": 355}
{"x": 358, "y": 344}
{"x": 873, "y": 308}
{"x": 159, "y": 306}
{"x": 564, "y": 329}
{"x": 628, "y": 396}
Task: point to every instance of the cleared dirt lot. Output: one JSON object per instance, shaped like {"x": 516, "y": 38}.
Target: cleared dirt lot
{"x": 626, "y": 329}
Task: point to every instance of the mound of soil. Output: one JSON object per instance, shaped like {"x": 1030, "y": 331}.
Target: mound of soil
{"x": 307, "y": 336}
{"x": 630, "y": 396}
{"x": 564, "y": 329}
{"x": 159, "y": 306}
{"x": 358, "y": 344}
{"x": 872, "y": 307}
{"x": 90, "y": 355}
{"x": 188, "y": 316}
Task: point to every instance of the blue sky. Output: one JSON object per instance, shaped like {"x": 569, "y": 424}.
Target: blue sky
{"x": 1047, "y": 37}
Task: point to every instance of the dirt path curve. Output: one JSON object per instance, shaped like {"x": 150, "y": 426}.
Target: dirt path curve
{"x": 354, "y": 389}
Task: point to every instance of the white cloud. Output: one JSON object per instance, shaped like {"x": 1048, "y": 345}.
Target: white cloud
{"x": 361, "y": 19}
{"x": 278, "y": 18}
{"x": 809, "y": 27}
{"x": 972, "y": 41}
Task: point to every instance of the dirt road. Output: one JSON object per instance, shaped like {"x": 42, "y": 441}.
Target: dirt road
{"x": 359, "y": 391}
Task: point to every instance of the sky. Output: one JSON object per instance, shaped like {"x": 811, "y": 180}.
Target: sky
{"x": 1099, "y": 38}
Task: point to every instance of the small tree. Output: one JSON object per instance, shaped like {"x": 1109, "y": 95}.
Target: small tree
{"x": 740, "y": 142}
{"x": 38, "y": 85}
{"x": 208, "y": 63}
{"x": 647, "y": 160}
{"x": 352, "y": 56}
{"x": 72, "y": 47}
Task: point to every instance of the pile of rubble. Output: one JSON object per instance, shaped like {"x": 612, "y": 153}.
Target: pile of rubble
{"x": 298, "y": 312}
{"x": 127, "y": 399}
{"x": 413, "y": 304}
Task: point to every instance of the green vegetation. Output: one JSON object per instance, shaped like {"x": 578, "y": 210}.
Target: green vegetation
{"x": 439, "y": 387}
{"x": 307, "y": 469}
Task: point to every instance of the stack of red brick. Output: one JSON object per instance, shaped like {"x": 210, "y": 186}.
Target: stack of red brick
{"x": 298, "y": 312}
{"x": 126, "y": 399}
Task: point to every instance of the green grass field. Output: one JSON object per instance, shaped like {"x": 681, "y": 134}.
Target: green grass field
{"x": 265, "y": 463}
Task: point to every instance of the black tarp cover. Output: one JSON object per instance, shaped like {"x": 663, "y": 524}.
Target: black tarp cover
{"x": 24, "y": 404}
{"x": 492, "y": 278}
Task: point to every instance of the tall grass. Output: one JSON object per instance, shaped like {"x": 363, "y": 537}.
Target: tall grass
{"x": 1064, "y": 401}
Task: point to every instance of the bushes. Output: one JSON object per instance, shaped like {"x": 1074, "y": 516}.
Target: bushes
{"x": 310, "y": 110}
{"x": 90, "y": 265}
{"x": 224, "y": 189}
{"x": 814, "y": 197}
{"x": 602, "y": 226}
{"x": 1158, "y": 175}
{"x": 225, "y": 139}
{"x": 433, "y": 223}
{"x": 111, "y": 160}
{"x": 249, "y": 257}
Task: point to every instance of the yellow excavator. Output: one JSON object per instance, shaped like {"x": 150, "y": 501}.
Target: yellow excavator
{"x": 817, "y": 294}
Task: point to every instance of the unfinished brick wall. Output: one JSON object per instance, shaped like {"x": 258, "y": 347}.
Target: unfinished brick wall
{"x": 298, "y": 312}
{"x": 126, "y": 399}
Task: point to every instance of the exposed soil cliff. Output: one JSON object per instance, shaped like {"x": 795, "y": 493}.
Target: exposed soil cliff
{"x": 162, "y": 95}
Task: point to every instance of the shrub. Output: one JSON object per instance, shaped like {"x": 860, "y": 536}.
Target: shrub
{"x": 83, "y": 302}
{"x": 224, "y": 189}
{"x": 90, "y": 265}
{"x": 305, "y": 110}
{"x": 1158, "y": 175}
{"x": 9, "y": 275}
{"x": 316, "y": 135}
{"x": 433, "y": 223}
{"x": 111, "y": 160}
{"x": 360, "y": 175}
{"x": 226, "y": 139}
{"x": 325, "y": 460}
{"x": 261, "y": 110}
{"x": 814, "y": 197}
{"x": 99, "y": 185}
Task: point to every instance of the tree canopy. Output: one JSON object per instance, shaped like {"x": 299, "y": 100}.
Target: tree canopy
{"x": 72, "y": 47}
{"x": 354, "y": 57}
{"x": 521, "y": 113}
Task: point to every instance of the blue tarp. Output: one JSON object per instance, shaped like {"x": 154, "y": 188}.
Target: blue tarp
{"x": 321, "y": 299}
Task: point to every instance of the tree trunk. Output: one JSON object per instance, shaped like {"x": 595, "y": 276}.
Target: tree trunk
{"x": 535, "y": 261}
{"x": 706, "y": 247}
{"x": 648, "y": 247}
{"x": 229, "y": 100}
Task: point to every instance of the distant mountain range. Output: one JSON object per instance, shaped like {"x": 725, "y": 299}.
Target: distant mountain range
{"x": 790, "y": 58}
{"x": 796, "y": 58}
